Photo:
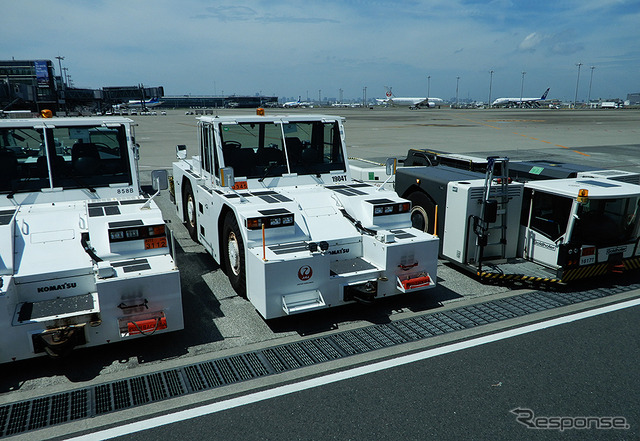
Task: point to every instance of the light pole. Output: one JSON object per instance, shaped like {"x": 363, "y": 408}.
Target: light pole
{"x": 575, "y": 100}
{"x": 590, "y": 81}
{"x": 60, "y": 58}
{"x": 428, "y": 85}
{"x": 457, "y": 83}
{"x": 490, "y": 84}
{"x": 522, "y": 87}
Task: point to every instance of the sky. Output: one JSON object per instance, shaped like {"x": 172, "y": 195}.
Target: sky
{"x": 290, "y": 48}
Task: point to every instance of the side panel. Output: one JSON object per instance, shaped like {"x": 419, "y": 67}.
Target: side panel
{"x": 463, "y": 203}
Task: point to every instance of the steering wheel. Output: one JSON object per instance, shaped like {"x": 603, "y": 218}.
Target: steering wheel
{"x": 231, "y": 144}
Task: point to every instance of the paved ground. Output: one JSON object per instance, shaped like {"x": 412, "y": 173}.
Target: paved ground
{"x": 589, "y": 136}
{"x": 217, "y": 320}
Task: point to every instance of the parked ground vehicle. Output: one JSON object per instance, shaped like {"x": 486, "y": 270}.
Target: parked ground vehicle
{"x": 84, "y": 256}
{"x": 272, "y": 200}
{"x": 539, "y": 222}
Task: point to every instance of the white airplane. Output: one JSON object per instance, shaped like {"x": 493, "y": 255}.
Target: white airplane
{"x": 412, "y": 103}
{"x": 297, "y": 104}
{"x": 528, "y": 102}
{"x": 153, "y": 102}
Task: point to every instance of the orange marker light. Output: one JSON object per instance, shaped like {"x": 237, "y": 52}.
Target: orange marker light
{"x": 583, "y": 195}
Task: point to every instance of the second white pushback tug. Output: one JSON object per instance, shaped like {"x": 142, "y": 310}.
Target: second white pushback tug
{"x": 271, "y": 198}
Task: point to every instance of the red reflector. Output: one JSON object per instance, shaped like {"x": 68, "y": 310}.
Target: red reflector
{"x": 416, "y": 282}
{"x": 588, "y": 251}
{"x": 618, "y": 269}
{"x": 147, "y": 326}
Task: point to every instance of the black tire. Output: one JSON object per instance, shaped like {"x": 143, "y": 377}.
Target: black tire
{"x": 423, "y": 212}
{"x": 233, "y": 256}
{"x": 189, "y": 208}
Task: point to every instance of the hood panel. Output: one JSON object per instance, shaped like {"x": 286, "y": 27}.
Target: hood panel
{"x": 47, "y": 242}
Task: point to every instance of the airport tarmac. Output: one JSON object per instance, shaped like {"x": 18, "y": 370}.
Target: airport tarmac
{"x": 576, "y": 136}
{"x": 219, "y": 322}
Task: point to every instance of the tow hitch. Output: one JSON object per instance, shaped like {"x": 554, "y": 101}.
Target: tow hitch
{"x": 363, "y": 292}
{"x": 60, "y": 341}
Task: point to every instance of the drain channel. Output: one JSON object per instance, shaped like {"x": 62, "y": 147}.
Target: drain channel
{"x": 101, "y": 399}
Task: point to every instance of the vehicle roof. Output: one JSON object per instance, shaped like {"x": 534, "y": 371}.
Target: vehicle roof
{"x": 544, "y": 169}
{"x": 268, "y": 118}
{"x": 64, "y": 121}
{"x": 598, "y": 188}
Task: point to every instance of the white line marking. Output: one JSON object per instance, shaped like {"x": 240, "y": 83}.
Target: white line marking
{"x": 344, "y": 375}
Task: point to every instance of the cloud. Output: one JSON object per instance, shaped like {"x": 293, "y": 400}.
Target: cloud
{"x": 247, "y": 14}
{"x": 229, "y": 13}
{"x": 531, "y": 42}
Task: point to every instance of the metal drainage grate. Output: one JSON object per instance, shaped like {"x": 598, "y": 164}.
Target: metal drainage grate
{"x": 97, "y": 400}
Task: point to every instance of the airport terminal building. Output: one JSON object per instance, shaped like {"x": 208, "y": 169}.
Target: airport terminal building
{"x": 32, "y": 85}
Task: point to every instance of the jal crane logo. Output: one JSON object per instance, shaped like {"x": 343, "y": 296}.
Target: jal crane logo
{"x": 305, "y": 272}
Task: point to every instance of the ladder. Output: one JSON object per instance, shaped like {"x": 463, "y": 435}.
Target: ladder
{"x": 494, "y": 207}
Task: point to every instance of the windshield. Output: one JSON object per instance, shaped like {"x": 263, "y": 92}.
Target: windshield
{"x": 258, "y": 150}
{"x": 603, "y": 222}
{"x": 67, "y": 157}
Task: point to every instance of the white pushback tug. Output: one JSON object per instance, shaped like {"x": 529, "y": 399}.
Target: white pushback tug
{"x": 271, "y": 198}
{"x": 84, "y": 256}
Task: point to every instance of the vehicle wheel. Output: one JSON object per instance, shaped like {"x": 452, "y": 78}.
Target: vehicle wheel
{"x": 233, "y": 255}
{"x": 423, "y": 212}
{"x": 190, "y": 216}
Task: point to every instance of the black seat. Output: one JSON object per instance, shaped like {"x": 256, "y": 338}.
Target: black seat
{"x": 269, "y": 155}
{"x": 85, "y": 159}
{"x": 8, "y": 168}
{"x": 294, "y": 149}
{"x": 58, "y": 165}
{"x": 310, "y": 156}
{"x": 243, "y": 161}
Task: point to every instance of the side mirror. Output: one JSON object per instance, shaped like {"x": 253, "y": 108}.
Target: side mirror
{"x": 181, "y": 151}
{"x": 159, "y": 180}
{"x": 227, "y": 178}
{"x": 391, "y": 166}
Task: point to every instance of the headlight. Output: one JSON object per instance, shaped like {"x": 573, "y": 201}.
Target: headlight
{"x": 384, "y": 207}
{"x": 136, "y": 233}
{"x": 283, "y": 218}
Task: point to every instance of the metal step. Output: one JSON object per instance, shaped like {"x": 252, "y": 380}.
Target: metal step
{"x": 53, "y": 309}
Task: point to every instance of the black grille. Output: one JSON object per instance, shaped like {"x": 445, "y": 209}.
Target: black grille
{"x": 100, "y": 399}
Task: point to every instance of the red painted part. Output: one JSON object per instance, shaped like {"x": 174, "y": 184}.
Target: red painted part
{"x": 416, "y": 283}
{"x": 149, "y": 325}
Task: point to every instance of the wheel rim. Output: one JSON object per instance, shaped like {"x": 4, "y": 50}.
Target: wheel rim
{"x": 419, "y": 218}
{"x": 191, "y": 211}
{"x": 233, "y": 252}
